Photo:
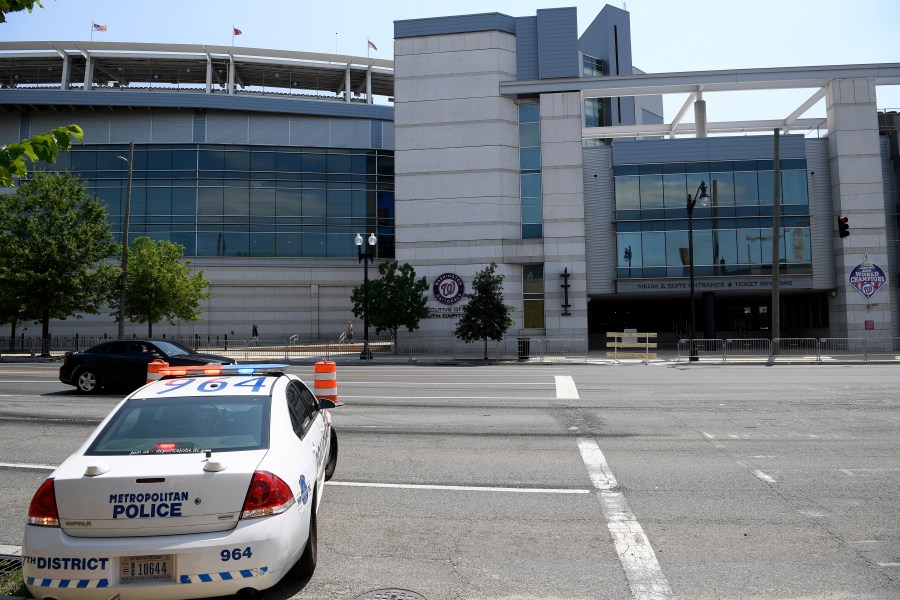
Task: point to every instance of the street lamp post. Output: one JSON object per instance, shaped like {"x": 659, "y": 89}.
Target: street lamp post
{"x": 130, "y": 161}
{"x": 703, "y": 197}
{"x": 365, "y": 258}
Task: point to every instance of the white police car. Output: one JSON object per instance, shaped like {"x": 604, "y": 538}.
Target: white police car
{"x": 204, "y": 483}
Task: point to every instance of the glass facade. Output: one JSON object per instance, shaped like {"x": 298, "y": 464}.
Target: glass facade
{"x": 591, "y": 66}
{"x": 258, "y": 201}
{"x": 732, "y": 235}
{"x": 530, "y": 170}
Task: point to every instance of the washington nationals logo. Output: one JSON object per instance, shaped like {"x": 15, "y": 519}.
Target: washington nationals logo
{"x": 448, "y": 288}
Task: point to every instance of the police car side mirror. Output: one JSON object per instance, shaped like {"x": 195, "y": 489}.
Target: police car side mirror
{"x": 325, "y": 403}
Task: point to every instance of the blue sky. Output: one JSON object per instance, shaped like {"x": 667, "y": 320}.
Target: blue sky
{"x": 667, "y": 35}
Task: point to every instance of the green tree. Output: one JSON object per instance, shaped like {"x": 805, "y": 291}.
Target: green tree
{"x": 396, "y": 299}
{"x": 10, "y": 6}
{"x": 45, "y": 146}
{"x": 159, "y": 284}
{"x": 54, "y": 239}
{"x": 485, "y": 316}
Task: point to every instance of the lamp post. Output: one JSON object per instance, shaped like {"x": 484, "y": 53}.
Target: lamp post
{"x": 130, "y": 161}
{"x": 703, "y": 197}
{"x": 365, "y": 258}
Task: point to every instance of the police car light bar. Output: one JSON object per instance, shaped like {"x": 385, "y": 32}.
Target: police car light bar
{"x": 241, "y": 369}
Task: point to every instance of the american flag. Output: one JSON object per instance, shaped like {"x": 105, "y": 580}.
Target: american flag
{"x": 99, "y": 27}
{"x": 372, "y": 46}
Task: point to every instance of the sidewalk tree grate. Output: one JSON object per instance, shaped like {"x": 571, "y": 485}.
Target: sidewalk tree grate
{"x": 9, "y": 564}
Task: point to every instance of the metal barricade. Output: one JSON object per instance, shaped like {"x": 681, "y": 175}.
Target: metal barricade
{"x": 843, "y": 350}
{"x": 563, "y": 350}
{"x": 883, "y": 349}
{"x": 703, "y": 349}
{"x": 795, "y": 350}
{"x": 748, "y": 349}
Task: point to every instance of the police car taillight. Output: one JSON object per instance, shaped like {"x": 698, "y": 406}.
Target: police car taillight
{"x": 42, "y": 510}
{"x": 268, "y": 495}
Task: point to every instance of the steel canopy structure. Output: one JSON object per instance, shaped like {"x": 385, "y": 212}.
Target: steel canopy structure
{"x": 106, "y": 66}
{"x": 696, "y": 83}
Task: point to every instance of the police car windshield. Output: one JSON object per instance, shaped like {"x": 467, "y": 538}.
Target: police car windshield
{"x": 183, "y": 425}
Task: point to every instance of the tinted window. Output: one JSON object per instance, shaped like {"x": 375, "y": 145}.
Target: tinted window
{"x": 186, "y": 425}
{"x": 301, "y": 413}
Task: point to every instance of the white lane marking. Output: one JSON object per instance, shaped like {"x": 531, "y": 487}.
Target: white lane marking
{"x": 763, "y": 476}
{"x": 890, "y": 564}
{"x": 25, "y": 466}
{"x": 565, "y": 388}
{"x": 645, "y": 576}
{"x": 458, "y": 488}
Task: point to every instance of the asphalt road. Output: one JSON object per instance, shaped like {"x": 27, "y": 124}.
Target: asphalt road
{"x": 570, "y": 481}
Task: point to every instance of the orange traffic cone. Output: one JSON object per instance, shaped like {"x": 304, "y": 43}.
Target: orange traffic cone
{"x": 153, "y": 369}
{"x": 326, "y": 381}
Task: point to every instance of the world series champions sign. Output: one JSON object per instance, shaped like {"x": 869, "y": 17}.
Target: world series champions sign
{"x": 867, "y": 277}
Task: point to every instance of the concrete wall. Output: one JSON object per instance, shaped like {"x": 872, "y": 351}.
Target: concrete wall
{"x": 857, "y": 190}
{"x": 456, "y": 162}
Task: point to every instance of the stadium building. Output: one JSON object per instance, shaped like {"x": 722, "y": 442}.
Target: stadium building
{"x": 488, "y": 138}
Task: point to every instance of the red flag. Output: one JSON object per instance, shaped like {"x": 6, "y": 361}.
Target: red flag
{"x": 237, "y": 31}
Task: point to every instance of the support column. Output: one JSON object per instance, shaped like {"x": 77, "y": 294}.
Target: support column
{"x": 857, "y": 192}
{"x": 347, "y": 93}
{"x": 88, "y": 73}
{"x": 700, "y": 116}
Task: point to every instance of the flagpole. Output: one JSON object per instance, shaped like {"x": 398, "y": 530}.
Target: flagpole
{"x": 92, "y": 31}
{"x": 232, "y": 35}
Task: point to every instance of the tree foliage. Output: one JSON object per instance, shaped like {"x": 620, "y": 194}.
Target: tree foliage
{"x": 396, "y": 299}
{"x": 54, "y": 239}
{"x": 485, "y": 316}
{"x": 44, "y": 147}
{"x": 10, "y": 6}
{"x": 159, "y": 284}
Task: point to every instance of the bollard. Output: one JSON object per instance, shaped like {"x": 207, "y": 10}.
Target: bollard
{"x": 153, "y": 369}
{"x": 326, "y": 381}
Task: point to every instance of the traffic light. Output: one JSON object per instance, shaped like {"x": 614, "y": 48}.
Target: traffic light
{"x": 843, "y": 226}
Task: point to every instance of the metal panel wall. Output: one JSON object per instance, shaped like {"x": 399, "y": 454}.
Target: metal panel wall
{"x": 526, "y": 48}
{"x": 388, "y": 133}
{"x": 270, "y": 129}
{"x": 456, "y": 24}
{"x": 172, "y": 127}
{"x": 311, "y": 131}
{"x": 599, "y": 213}
{"x": 350, "y": 133}
{"x": 376, "y": 136}
{"x": 628, "y": 152}
{"x": 133, "y": 126}
{"x": 227, "y": 128}
{"x": 557, "y": 30}
{"x": 24, "y": 128}
{"x": 821, "y": 213}
{"x": 199, "y": 134}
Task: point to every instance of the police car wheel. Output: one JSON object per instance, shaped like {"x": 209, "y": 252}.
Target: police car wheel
{"x": 88, "y": 382}
{"x": 332, "y": 456}
{"x": 307, "y": 563}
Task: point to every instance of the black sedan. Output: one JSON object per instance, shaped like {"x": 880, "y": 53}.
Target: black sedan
{"x": 122, "y": 364}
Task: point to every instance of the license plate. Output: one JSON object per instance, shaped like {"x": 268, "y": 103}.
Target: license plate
{"x": 147, "y": 569}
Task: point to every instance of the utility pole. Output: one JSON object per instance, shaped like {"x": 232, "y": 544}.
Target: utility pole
{"x": 130, "y": 161}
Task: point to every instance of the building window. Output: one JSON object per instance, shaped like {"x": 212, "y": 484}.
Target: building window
{"x": 591, "y": 66}
{"x": 593, "y": 112}
{"x": 533, "y": 296}
{"x": 732, "y": 236}
{"x": 243, "y": 200}
{"x": 532, "y": 212}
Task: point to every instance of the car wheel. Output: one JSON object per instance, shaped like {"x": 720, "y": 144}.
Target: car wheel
{"x": 332, "y": 456}
{"x": 307, "y": 563}
{"x": 87, "y": 382}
